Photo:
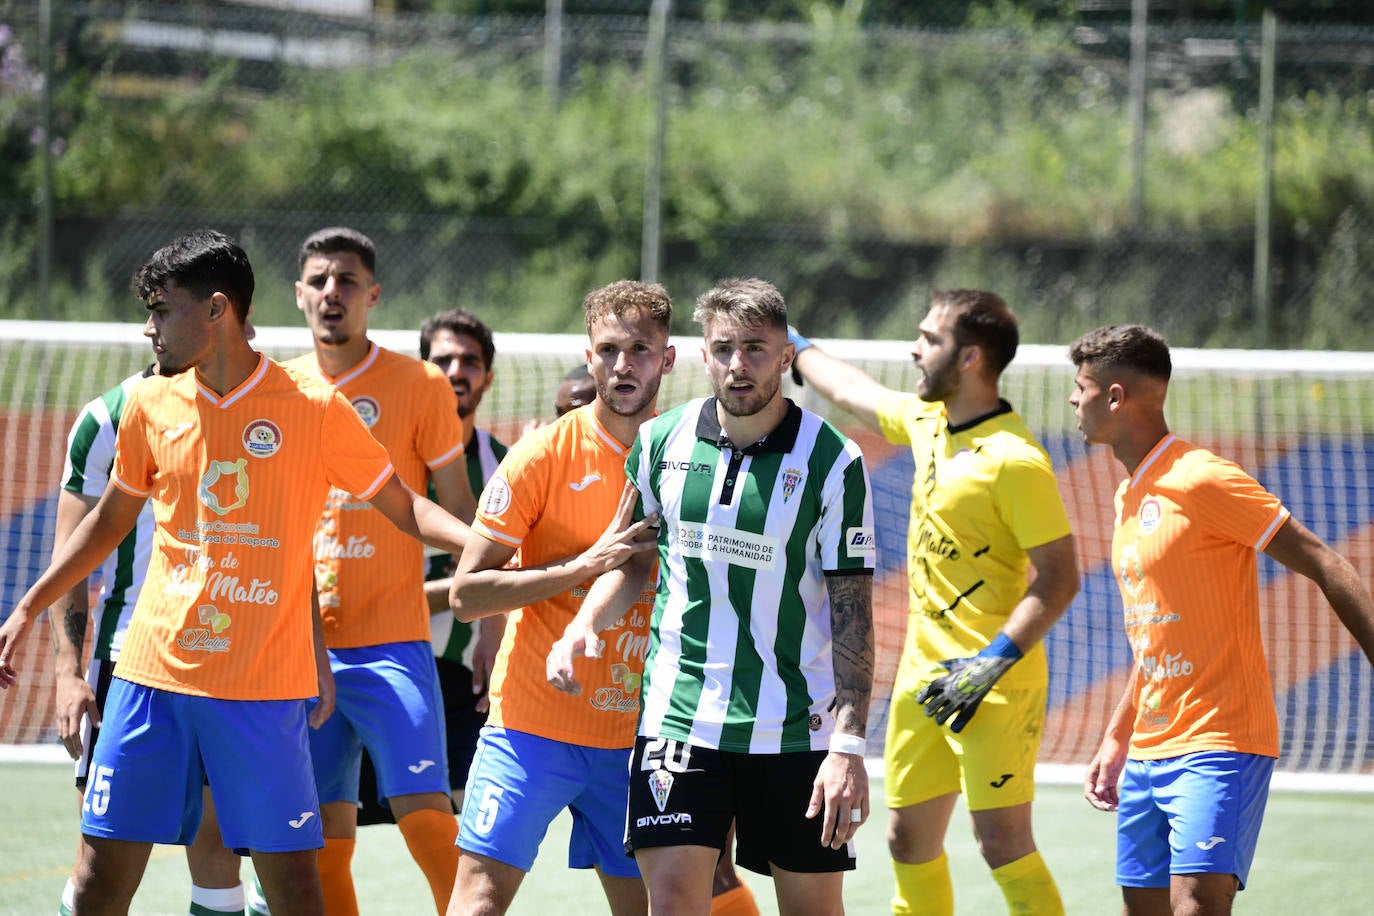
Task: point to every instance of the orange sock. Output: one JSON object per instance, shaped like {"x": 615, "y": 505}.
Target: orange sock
{"x": 430, "y": 836}
{"x": 336, "y": 877}
{"x": 738, "y": 901}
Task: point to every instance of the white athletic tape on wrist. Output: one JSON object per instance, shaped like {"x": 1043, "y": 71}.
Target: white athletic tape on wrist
{"x": 848, "y": 744}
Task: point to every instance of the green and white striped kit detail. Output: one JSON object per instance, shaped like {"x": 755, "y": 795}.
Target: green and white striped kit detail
{"x": 740, "y": 647}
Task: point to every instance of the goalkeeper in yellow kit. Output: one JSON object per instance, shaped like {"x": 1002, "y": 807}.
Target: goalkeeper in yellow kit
{"x": 984, "y": 507}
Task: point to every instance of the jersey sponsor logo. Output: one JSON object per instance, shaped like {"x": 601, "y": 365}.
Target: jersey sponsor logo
{"x": 357, "y": 547}
{"x": 218, "y": 497}
{"x": 299, "y": 822}
{"x": 728, "y": 545}
{"x": 420, "y": 767}
{"x": 261, "y": 438}
{"x": 368, "y": 410}
{"x": 791, "y": 478}
{"x": 813, "y": 722}
{"x": 231, "y": 588}
{"x": 860, "y": 542}
{"x": 1210, "y": 842}
{"x": 584, "y": 483}
{"x": 690, "y": 467}
{"x": 1131, "y": 572}
{"x": 932, "y": 541}
{"x": 206, "y": 638}
{"x": 496, "y": 497}
{"x": 173, "y": 433}
{"x": 1166, "y": 667}
{"x": 1150, "y": 514}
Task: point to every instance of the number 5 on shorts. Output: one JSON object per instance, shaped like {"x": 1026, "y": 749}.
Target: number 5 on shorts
{"x": 486, "y": 811}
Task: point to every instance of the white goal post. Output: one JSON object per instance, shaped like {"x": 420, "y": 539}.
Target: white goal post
{"x": 1301, "y": 422}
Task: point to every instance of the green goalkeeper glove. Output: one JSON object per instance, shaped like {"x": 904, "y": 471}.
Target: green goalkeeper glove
{"x": 969, "y": 680}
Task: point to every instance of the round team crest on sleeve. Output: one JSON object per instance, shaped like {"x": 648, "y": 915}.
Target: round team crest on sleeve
{"x": 261, "y": 438}
{"x": 368, "y": 409}
{"x": 496, "y": 497}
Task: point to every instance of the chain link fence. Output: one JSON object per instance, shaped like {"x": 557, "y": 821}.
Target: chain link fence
{"x": 503, "y": 162}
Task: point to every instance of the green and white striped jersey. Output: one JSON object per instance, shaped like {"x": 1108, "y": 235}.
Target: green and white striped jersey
{"x": 740, "y": 644}
{"x": 450, "y": 637}
{"x": 86, "y": 471}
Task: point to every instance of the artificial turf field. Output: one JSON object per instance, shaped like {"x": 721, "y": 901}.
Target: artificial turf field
{"x": 1313, "y": 858}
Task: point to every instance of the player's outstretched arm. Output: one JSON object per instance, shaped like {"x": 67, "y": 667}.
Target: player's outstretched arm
{"x": 610, "y": 596}
{"x": 92, "y": 540}
{"x": 483, "y": 586}
{"x": 837, "y": 381}
{"x": 840, "y": 791}
{"x": 1298, "y": 548}
{"x": 68, "y": 620}
{"x": 420, "y": 518}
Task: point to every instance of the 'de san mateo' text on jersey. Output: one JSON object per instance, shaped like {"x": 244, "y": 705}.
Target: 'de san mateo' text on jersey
{"x": 237, "y": 483}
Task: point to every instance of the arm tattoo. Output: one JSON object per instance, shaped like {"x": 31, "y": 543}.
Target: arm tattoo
{"x": 71, "y": 625}
{"x": 851, "y": 632}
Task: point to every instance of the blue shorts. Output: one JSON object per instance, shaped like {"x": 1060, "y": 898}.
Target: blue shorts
{"x": 387, "y": 699}
{"x": 157, "y": 748}
{"x": 1195, "y": 814}
{"x": 520, "y": 782}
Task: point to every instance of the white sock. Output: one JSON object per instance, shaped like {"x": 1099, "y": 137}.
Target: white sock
{"x": 257, "y": 903}
{"x": 216, "y": 900}
{"x": 68, "y": 898}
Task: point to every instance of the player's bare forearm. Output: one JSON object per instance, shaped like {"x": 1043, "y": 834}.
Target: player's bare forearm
{"x": 842, "y": 384}
{"x": 1302, "y": 551}
{"x": 68, "y": 618}
{"x": 453, "y": 492}
{"x": 611, "y": 595}
{"x": 419, "y": 517}
{"x": 483, "y": 586}
{"x": 1054, "y": 588}
{"x": 67, "y": 621}
{"x": 851, "y": 633}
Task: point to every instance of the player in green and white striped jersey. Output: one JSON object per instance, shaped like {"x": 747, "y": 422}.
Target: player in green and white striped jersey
{"x": 760, "y": 665}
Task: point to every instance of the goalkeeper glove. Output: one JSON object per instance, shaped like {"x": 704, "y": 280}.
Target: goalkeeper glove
{"x": 969, "y": 680}
{"x": 795, "y": 338}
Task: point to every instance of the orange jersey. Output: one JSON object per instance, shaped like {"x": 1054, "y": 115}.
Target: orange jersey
{"x": 1188, "y": 525}
{"x": 370, "y": 574}
{"x": 237, "y": 484}
{"x": 552, "y": 497}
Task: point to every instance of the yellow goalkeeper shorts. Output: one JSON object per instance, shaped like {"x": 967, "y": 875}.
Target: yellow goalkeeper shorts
{"x": 992, "y": 761}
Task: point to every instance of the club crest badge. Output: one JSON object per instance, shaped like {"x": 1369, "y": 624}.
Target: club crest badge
{"x": 368, "y": 410}
{"x": 1151, "y": 513}
{"x": 790, "y": 479}
{"x": 660, "y": 783}
{"x": 262, "y": 438}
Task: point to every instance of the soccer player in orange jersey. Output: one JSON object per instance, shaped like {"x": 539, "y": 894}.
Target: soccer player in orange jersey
{"x": 370, "y": 578}
{"x": 1187, "y": 756}
{"x": 547, "y": 507}
{"x": 238, "y": 455}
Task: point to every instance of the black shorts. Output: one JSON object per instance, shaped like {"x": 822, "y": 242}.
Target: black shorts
{"x": 98, "y": 674}
{"x": 462, "y": 723}
{"x": 689, "y": 796}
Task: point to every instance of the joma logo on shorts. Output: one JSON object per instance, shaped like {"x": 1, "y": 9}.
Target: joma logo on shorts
{"x": 660, "y": 820}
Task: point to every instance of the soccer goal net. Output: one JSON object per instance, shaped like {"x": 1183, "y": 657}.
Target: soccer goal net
{"x": 1302, "y": 423}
